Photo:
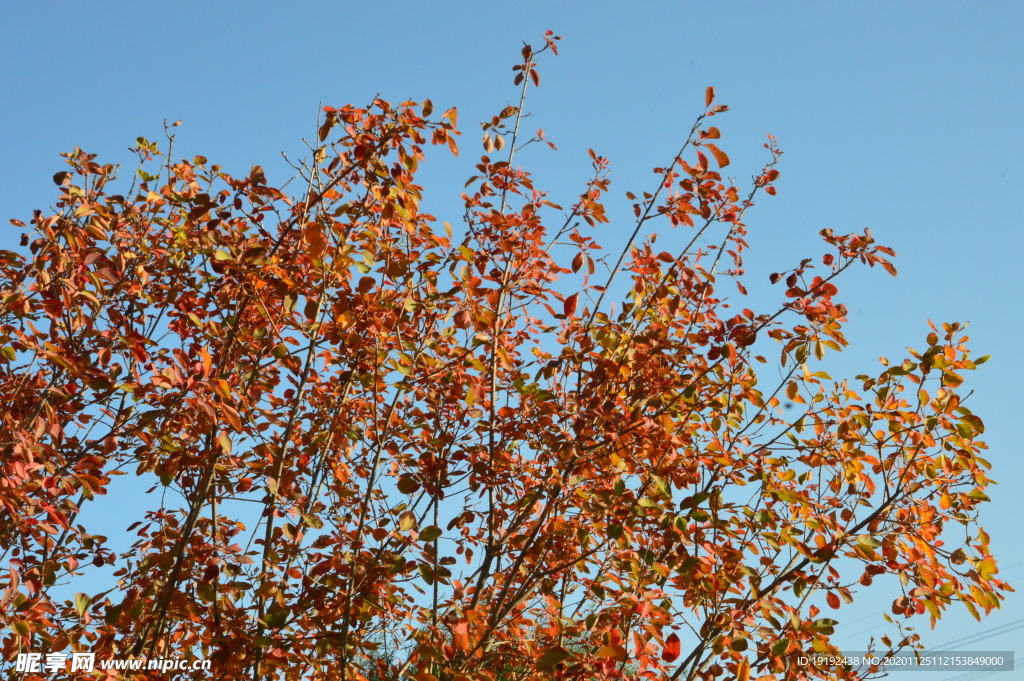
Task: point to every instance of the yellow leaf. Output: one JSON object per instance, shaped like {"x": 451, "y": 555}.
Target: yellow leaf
{"x": 407, "y": 521}
{"x": 743, "y": 670}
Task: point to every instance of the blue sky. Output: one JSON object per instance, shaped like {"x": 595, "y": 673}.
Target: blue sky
{"x": 907, "y": 118}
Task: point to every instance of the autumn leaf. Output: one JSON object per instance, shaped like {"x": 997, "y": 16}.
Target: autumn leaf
{"x": 569, "y": 305}
{"x": 313, "y": 235}
{"x": 670, "y": 652}
{"x": 719, "y": 155}
{"x": 551, "y": 657}
{"x": 313, "y": 384}
{"x": 460, "y": 634}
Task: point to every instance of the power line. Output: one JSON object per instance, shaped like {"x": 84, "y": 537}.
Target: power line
{"x": 988, "y": 633}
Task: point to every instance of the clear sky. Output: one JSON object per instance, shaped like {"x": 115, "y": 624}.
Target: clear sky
{"x": 907, "y": 118}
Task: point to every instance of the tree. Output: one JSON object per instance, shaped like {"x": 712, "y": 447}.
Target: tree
{"x": 380, "y": 447}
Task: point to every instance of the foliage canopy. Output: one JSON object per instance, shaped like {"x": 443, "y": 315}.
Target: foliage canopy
{"x": 382, "y": 447}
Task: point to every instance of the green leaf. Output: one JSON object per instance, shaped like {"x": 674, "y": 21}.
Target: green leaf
{"x": 407, "y": 484}
{"x": 426, "y": 573}
{"x": 276, "y": 616}
{"x": 825, "y": 626}
{"x": 406, "y": 521}
{"x": 867, "y": 541}
{"x": 205, "y": 592}
{"x": 975, "y": 422}
{"x": 113, "y": 614}
{"x": 430, "y": 533}
{"x": 552, "y": 656}
{"x": 81, "y": 603}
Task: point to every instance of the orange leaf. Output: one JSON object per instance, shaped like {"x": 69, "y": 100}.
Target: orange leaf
{"x": 313, "y": 235}
{"x": 719, "y": 155}
{"x": 460, "y": 635}
{"x": 617, "y": 653}
{"x": 709, "y": 96}
{"x": 743, "y": 670}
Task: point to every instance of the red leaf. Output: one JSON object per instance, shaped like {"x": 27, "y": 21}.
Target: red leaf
{"x": 671, "y": 650}
{"x": 569, "y": 306}
{"x": 833, "y": 600}
{"x": 709, "y": 96}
